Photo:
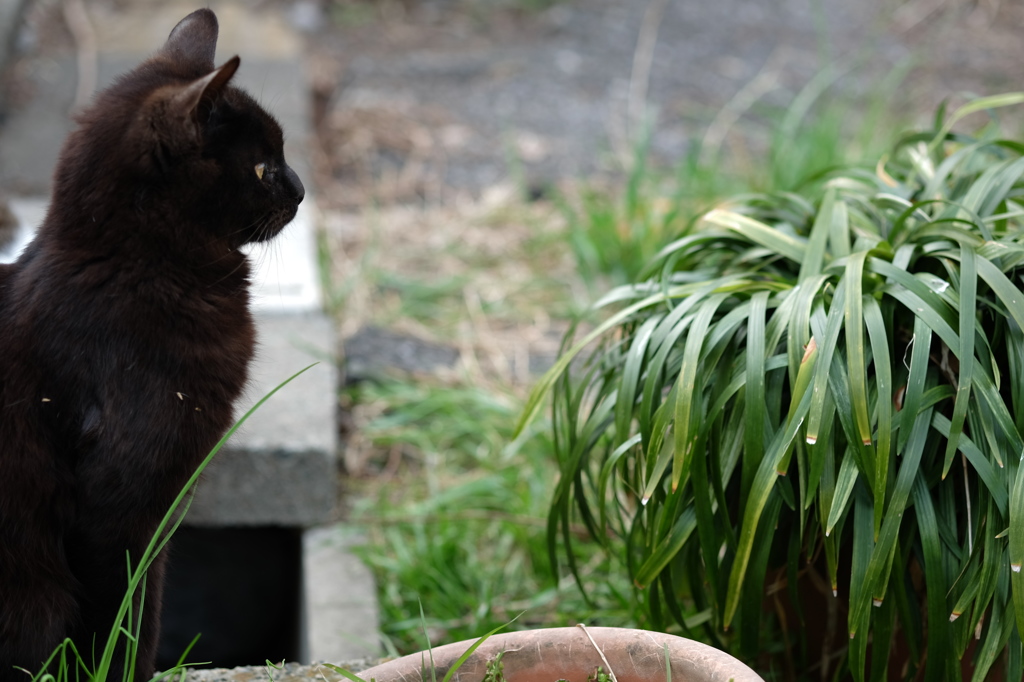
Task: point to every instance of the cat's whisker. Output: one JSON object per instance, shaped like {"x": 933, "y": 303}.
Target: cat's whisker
{"x": 242, "y": 263}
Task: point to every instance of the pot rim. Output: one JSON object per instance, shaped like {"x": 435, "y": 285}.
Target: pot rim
{"x": 572, "y": 654}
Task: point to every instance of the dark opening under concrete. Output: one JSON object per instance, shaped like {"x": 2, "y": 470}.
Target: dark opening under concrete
{"x": 240, "y": 588}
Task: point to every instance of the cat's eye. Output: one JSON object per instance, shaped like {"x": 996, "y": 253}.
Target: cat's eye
{"x": 260, "y": 167}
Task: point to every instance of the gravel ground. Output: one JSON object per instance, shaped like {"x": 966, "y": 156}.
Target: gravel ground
{"x": 422, "y": 100}
{"x": 418, "y": 100}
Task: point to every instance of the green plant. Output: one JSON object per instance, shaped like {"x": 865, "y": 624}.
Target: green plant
{"x": 816, "y": 394}
{"x": 827, "y": 126}
{"x": 66, "y": 662}
{"x": 456, "y": 522}
{"x": 615, "y": 233}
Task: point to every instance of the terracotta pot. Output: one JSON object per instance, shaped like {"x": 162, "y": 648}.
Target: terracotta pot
{"x": 569, "y": 654}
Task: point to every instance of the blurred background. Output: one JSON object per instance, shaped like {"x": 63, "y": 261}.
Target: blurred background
{"x": 479, "y": 172}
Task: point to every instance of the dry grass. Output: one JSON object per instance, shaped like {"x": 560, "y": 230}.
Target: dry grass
{"x": 491, "y": 278}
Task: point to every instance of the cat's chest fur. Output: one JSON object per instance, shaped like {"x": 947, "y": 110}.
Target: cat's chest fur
{"x": 108, "y": 323}
{"x": 124, "y": 365}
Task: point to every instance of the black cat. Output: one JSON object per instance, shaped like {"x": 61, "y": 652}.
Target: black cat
{"x": 125, "y": 336}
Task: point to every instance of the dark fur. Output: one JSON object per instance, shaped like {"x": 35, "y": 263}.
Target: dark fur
{"x": 125, "y": 336}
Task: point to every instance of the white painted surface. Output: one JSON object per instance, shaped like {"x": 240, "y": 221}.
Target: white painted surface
{"x": 30, "y": 214}
{"x": 285, "y": 273}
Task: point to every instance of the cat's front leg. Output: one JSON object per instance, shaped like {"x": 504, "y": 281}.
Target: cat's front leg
{"x": 100, "y": 567}
{"x": 37, "y": 611}
{"x": 38, "y": 591}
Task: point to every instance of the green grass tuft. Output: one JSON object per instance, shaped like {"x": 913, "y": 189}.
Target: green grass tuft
{"x": 458, "y": 522}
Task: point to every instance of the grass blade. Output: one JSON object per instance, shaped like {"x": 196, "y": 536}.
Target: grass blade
{"x": 160, "y": 538}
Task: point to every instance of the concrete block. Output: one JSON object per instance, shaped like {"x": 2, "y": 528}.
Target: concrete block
{"x": 10, "y": 21}
{"x": 10, "y": 18}
{"x": 341, "y": 616}
{"x": 280, "y": 467}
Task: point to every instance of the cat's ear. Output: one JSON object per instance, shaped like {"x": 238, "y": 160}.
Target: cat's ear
{"x": 184, "y": 110}
{"x": 194, "y": 40}
{"x": 192, "y": 101}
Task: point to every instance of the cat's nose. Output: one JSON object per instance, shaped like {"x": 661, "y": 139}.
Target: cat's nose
{"x": 293, "y": 184}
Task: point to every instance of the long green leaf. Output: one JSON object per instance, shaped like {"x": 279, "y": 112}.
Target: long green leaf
{"x": 968, "y": 303}
{"x": 631, "y": 369}
{"x": 940, "y": 656}
{"x": 881, "y": 556}
{"x": 754, "y": 414}
{"x": 993, "y": 482}
{"x": 847, "y": 478}
{"x": 667, "y": 549}
{"x": 760, "y": 490}
{"x": 1008, "y": 294}
{"x": 981, "y": 104}
{"x": 826, "y": 350}
{"x": 686, "y": 397}
{"x": 883, "y": 404}
{"x": 546, "y": 382}
{"x": 860, "y": 594}
{"x": 758, "y": 233}
{"x": 814, "y": 258}
{"x": 855, "y": 353}
{"x": 1016, "y": 548}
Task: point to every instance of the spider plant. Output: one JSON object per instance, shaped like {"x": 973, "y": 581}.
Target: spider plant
{"x": 809, "y": 413}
